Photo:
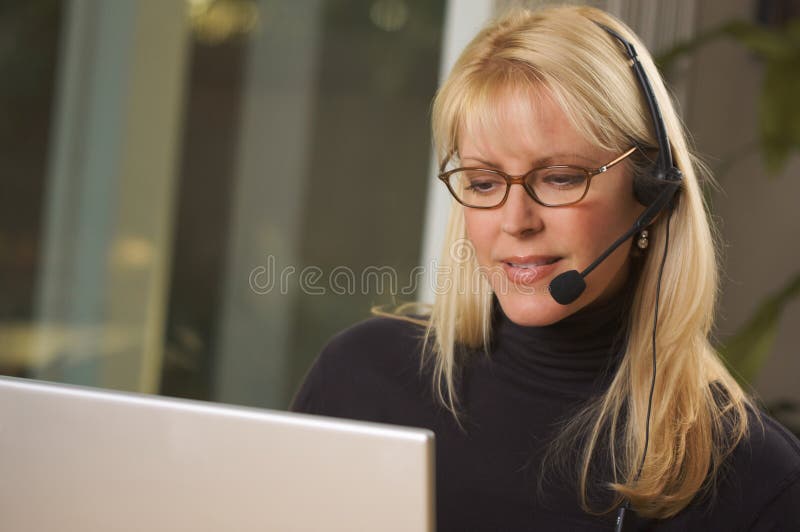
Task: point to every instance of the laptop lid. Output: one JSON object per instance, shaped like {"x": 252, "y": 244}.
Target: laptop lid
{"x": 81, "y": 459}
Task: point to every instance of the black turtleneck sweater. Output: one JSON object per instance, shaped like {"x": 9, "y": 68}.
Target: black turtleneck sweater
{"x": 513, "y": 400}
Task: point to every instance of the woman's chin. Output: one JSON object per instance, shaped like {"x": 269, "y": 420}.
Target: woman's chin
{"x": 533, "y": 310}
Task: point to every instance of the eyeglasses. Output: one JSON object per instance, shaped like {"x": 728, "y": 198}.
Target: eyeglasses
{"x": 550, "y": 186}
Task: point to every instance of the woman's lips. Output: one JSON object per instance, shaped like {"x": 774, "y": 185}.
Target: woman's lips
{"x": 525, "y": 272}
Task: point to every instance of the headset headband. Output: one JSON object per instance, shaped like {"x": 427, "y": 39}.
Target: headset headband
{"x": 665, "y": 168}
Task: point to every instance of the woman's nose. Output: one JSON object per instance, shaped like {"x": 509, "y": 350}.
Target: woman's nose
{"x": 520, "y": 213}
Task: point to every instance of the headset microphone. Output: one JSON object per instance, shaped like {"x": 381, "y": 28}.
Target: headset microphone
{"x": 568, "y": 286}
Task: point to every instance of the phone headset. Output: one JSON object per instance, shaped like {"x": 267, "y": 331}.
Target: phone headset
{"x": 657, "y": 191}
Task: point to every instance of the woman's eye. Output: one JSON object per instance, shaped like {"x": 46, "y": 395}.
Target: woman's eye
{"x": 482, "y": 186}
{"x": 565, "y": 179}
{"x": 482, "y": 183}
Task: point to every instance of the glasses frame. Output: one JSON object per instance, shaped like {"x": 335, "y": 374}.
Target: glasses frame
{"x": 521, "y": 179}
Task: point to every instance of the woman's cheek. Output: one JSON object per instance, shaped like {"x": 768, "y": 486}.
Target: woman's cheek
{"x": 480, "y": 237}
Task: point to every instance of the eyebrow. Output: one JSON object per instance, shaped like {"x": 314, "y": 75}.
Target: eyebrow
{"x": 537, "y": 163}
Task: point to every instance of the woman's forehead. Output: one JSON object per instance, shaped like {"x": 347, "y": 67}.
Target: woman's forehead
{"x": 496, "y": 108}
{"x": 517, "y": 121}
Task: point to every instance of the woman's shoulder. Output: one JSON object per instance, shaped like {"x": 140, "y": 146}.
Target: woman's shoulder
{"x": 757, "y": 487}
{"x": 760, "y": 481}
{"x": 376, "y": 339}
{"x": 770, "y": 447}
{"x": 363, "y": 368}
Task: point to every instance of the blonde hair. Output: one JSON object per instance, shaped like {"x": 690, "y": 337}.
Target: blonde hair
{"x": 699, "y": 411}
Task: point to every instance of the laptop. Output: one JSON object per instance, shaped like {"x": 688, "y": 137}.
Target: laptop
{"x": 80, "y": 459}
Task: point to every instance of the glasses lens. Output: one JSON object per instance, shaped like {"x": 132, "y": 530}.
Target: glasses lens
{"x": 478, "y": 188}
{"x": 558, "y": 186}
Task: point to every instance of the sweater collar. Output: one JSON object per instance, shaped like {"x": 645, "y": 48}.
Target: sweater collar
{"x": 574, "y": 355}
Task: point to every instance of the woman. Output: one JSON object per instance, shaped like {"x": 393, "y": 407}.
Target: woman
{"x": 551, "y": 415}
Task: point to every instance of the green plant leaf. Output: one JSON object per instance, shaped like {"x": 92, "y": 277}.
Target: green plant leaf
{"x": 666, "y": 60}
{"x": 747, "y": 350}
{"x": 779, "y": 113}
{"x": 768, "y": 43}
{"x": 771, "y": 44}
{"x": 793, "y": 31}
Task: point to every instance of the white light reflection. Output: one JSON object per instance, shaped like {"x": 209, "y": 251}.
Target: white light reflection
{"x": 389, "y": 15}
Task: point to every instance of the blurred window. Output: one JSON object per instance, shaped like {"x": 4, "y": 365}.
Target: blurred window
{"x": 199, "y": 195}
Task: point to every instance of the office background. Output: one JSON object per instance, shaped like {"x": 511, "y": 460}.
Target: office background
{"x": 197, "y": 194}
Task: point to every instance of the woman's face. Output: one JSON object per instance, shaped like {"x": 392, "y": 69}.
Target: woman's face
{"x": 510, "y": 240}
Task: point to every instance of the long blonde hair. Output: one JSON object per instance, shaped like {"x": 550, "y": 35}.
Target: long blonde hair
{"x": 699, "y": 412}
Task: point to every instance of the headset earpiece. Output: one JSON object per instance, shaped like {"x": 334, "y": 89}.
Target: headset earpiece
{"x": 646, "y": 186}
{"x": 648, "y": 182}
